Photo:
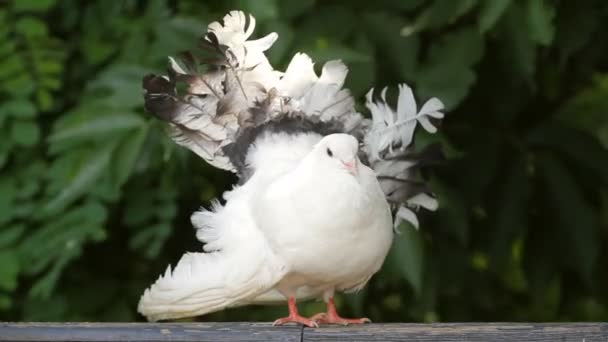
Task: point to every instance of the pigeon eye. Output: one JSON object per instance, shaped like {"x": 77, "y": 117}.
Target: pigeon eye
{"x": 329, "y": 152}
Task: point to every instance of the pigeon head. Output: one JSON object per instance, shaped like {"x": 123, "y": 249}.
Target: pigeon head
{"x": 339, "y": 150}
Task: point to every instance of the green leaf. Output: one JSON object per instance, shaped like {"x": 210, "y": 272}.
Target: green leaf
{"x": 44, "y": 100}
{"x": 401, "y": 52}
{"x": 586, "y": 109}
{"x": 481, "y": 164}
{"x": 7, "y": 47}
{"x": 440, "y": 13}
{"x": 99, "y": 125}
{"x": 463, "y": 8}
{"x": 362, "y": 73}
{"x": 96, "y": 51}
{"x": 166, "y": 211}
{"x": 25, "y": 133}
{"x": 51, "y": 66}
{"x": 511, "y": 213}
{"x": 575, "y": 226}
{"x": 576, "y": 24}
{"x": 325, "y": 51}
{"x": 585, "y": 152}
{"x": 280, "y": 48}
{"x": 5, "y": 149}
{"x": 150, "y": 240}
{"x": 540, "y": 265}
{"x": 32, "y": 5}
{"x": 43, "y": 288}
{"x": 137, "y": 208}
{"x": 6, "y": 301}
{"x": 452, "y": 216}
{"x": 332, "y": 23}
{"x": 20, "y": 84}
{"x": 127, "y": 153}
{"x": 448, "y": 74}
{"x": 175, "y": 35}
{"x": 9, "y": 235}
{"x": 490, "y": 12}
{"x": 50, "y": 83}
{"x": 540, "y": 20}
{"x": 19, "y": 108}
{"x": 31, "y": 27}
{"x": 62, "y": 237}
{"x": 120, "y": 85}
{"x": 517, "y": 50}
{"x": 10, "y": 66}
{"x": 408, "y": 250}
{"x": 423, "y": 139}
{"x": 547, "y": 302}
{"x": 9, "y": 270}
{"x": 83, "y": 178}
{"x": 290, "y": 9}
{"x": 55, "y": 306}
{"x": 463, "y": 47}
{"x": 28, "y": 189}
{"x": 450, "y": 84}
{"x": 7, "y": 195}
{"x": 260, "y": 9}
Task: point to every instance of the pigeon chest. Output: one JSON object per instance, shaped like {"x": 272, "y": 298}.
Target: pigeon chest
{"x": 342, "y": 235}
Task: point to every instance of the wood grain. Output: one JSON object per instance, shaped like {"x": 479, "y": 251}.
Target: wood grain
{"x": 473, "y": 332}
{"x": 144, "y": 332}
{"x": 441, "y": 332}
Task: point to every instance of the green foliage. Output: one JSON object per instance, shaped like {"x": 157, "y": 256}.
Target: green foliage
{"x": 95, "y": 199}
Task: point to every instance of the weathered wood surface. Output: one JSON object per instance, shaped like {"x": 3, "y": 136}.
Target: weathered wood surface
{"x": 443, "y": 332}
{"x": 470, "y": 332}
{"x": 148, "y": 332}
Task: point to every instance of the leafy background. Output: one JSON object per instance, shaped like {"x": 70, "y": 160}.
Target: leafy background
{"x": 95, "y": 199}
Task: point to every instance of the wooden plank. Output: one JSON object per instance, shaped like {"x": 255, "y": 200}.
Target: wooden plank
{"x": 442, "y": 332}
{"x": 470, "y": 332}
{"x": 144, "y": 332}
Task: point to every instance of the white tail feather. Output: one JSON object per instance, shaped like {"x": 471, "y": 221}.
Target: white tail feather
{"x": 241, "y": 266}
{"x": 207, "y": 282}
{"x": 327, "y": 93}
{"x": 299, "y": 76}
{"x": 397, "y": 128}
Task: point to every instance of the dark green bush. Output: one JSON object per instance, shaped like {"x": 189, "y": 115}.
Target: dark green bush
{"x": 95, "y": 199}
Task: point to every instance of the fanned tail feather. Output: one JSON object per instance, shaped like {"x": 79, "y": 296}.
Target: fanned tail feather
{"x": 239, "y": 89}
{"x": 387, "y": 143}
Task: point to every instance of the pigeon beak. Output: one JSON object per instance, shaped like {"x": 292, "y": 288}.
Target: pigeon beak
{"x": 351, "y": 166}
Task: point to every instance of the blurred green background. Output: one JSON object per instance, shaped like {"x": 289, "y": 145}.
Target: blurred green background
{"x": 95, "y": 199}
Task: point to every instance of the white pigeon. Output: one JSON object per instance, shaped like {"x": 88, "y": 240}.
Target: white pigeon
{"x": 319, "y": 184}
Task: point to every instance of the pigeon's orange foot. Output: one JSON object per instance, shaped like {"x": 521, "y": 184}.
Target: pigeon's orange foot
{"x": 296, "y": 319}
{"x": 333, "y": 318}
{"x": 294, "y": 316}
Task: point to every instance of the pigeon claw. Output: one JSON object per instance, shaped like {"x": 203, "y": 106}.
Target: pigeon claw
{"x": 296, "y": 319}
{"x": 329, "y": 318}
{"x": 332, "y": 317}
{"x": 294, "y": 316}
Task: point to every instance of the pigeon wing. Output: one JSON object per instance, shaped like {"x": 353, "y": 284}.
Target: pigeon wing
{"x": 236, "y": 266}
